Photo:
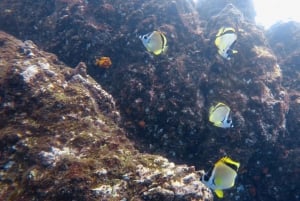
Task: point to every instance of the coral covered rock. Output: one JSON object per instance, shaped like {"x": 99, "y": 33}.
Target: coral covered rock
{"x": 60, "y": 140}
{"x": 163, "y": 100}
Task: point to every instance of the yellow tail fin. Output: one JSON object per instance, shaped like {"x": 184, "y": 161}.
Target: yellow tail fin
{"x": 219, "y": 193}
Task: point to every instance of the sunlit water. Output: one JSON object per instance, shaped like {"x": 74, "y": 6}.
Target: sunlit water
{"x": 269, "y": 12}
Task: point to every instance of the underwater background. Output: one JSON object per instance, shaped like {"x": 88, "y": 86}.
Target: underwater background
{"x": 87, "y": 113}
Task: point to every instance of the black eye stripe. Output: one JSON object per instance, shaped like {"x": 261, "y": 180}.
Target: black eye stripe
{"x": 206, "y": 178}
{"x": 163, "y": 41}
{"x": 232, "y": 166}
{"x": 207, "y": 175}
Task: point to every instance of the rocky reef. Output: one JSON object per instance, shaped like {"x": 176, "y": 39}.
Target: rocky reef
{"x": 284, "y": 38}
{"x": 59, "y": 138}
{"x": 163, "y": 101}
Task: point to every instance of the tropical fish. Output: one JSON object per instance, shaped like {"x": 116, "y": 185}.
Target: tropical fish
{"x": 221, "y": 176}
{"x": 225, "y": 40}
{"x": 220, "y": 116}
{"x": 103, "y": 62}
{"x": 155, "y": 42}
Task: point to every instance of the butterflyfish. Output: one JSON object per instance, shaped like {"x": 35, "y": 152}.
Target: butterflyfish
{"x": 221, "y": 176}
{"x": 220, "y": 115}
{"x": 155, "y": 42}
{"x": 225, "y": 40}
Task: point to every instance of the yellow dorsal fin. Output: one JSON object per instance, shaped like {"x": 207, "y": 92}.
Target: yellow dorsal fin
{"x": 220, "y": 31}
{"x": 228, "y": 160}
{"x": 228, "y": 30}
{"x": 219, "y": 193}
{"x": 225, "y": 30}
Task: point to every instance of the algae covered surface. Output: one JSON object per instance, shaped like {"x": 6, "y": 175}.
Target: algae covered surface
{"x": 60, "y": 138}
{"x": 138, "y": 129}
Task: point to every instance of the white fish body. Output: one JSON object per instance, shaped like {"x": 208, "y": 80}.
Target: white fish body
{"x": 222, "y": 176}
{"x": 220, "y": 116}
{"x": 155, "y": 42}
{"x": 225, "y": 40}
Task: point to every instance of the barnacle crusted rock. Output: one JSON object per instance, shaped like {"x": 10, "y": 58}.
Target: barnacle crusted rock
{"x": 60, "y": 140}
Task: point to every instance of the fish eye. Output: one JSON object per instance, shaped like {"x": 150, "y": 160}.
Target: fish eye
{"x": 145, "y": 37}
{"x": 229, "y": 121}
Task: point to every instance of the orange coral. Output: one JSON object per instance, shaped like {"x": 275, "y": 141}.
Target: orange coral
{"x": 103, "y": 62}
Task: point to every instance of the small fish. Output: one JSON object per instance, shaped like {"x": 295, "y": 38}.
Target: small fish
{"x": 221, "y": 176}
{"x": 220, "y": 116}
{"x": 155, "y": 42}
{"x": 103, "y": 62}
{"x": 225, "y": 40}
